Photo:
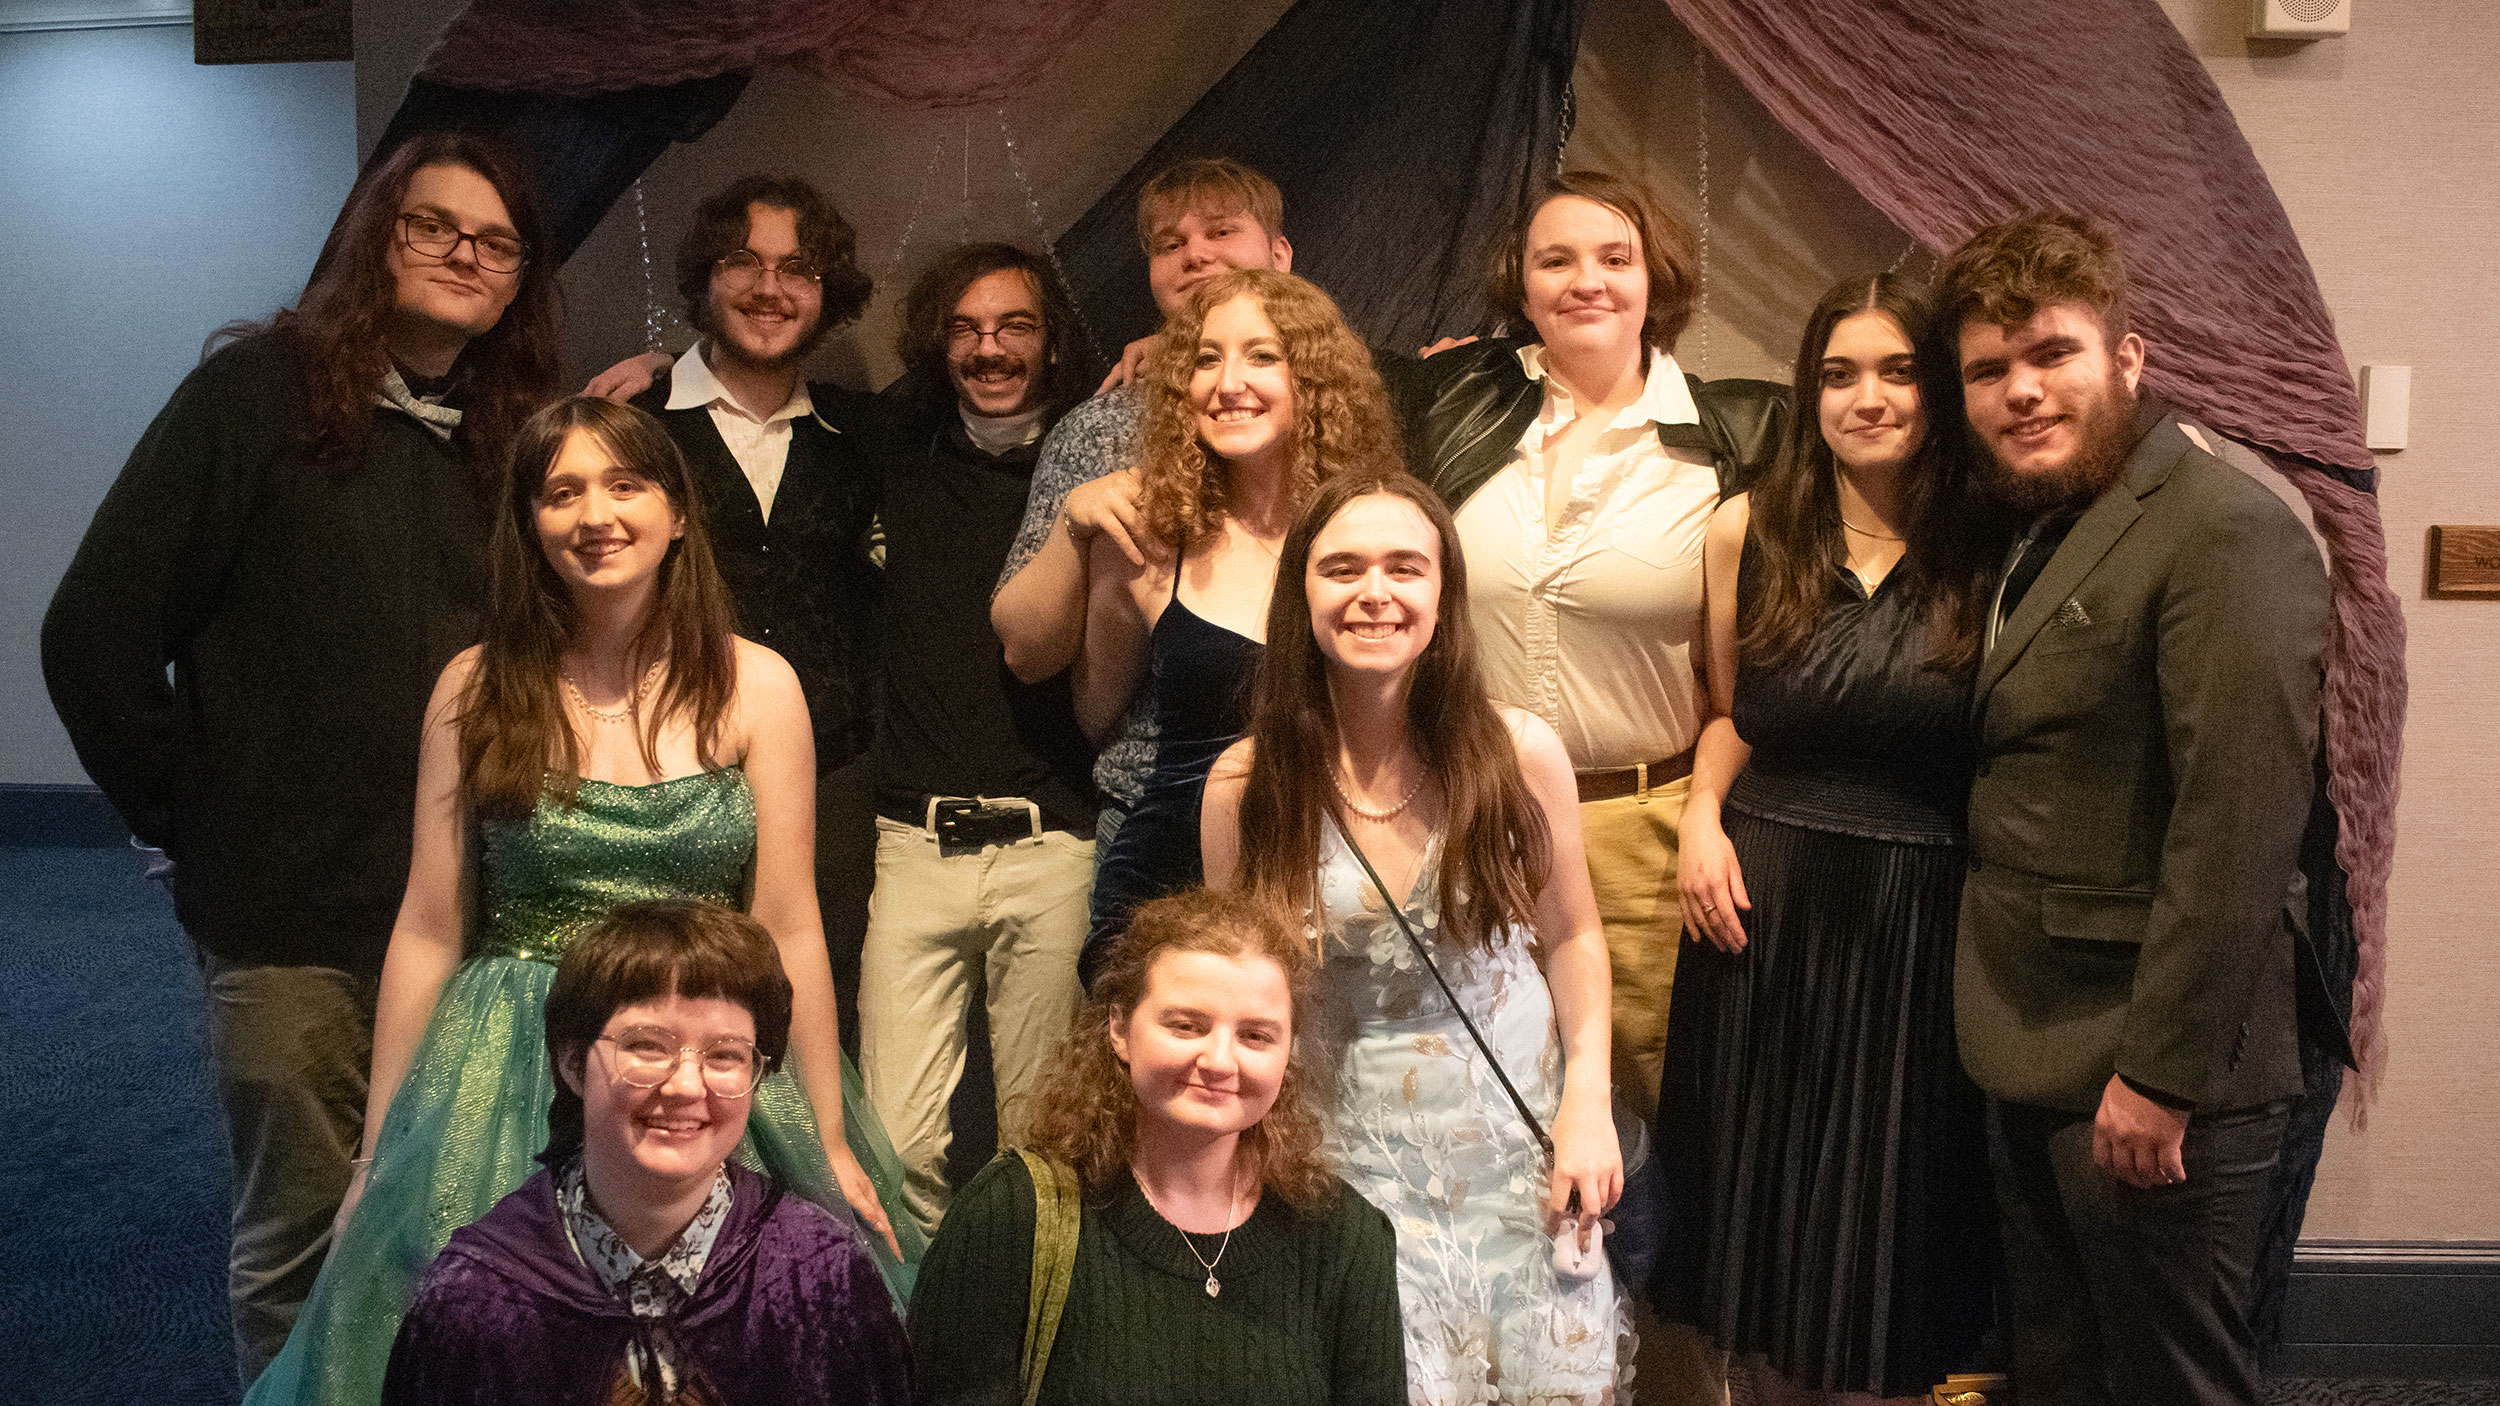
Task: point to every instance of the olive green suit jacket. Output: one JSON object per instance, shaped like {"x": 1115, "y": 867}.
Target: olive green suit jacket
{"x": 2145, "y": 725}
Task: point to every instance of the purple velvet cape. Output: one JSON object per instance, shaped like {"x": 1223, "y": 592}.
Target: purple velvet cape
{"x": 789, "y": 1309}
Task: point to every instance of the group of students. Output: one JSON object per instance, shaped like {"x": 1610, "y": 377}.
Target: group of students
{"x": 1486, "y": 748}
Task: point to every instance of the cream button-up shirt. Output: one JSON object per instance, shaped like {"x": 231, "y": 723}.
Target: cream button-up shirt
{"x": 1594, "y": 621}
{"x": 761, "y": 447}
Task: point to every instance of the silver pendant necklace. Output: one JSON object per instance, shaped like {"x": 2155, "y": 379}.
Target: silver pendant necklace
{"x": 1215, "y": 1286}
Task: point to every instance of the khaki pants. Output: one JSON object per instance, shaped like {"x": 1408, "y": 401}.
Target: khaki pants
{"x": 1631, "y": 849}
{"x": 292, "y": 1046}
{"x": 1009, "y": 920}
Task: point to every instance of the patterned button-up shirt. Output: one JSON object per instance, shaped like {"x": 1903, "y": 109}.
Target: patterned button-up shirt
{"x": 648, "y": 1288}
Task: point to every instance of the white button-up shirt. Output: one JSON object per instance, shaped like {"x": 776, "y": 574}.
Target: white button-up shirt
{"x": 761, "y": 447}
{"x": 1594, "y": 621}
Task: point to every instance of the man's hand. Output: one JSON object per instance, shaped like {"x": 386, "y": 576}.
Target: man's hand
{"x": 1109, "y": 504}
{"x": 630, "y": 377}
{"x": 1132, "y": 363}
{"x": 2137, "y": 1140}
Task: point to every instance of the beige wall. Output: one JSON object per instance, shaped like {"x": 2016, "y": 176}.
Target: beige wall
{"x": 2384, "y": 147}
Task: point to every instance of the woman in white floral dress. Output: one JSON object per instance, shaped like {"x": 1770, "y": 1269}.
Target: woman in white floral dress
{"x": 1370, "y": 727}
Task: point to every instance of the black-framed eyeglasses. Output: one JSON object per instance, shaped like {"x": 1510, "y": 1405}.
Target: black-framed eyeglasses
{"x": 1022, "y": 333}
{"x": 647, "y": 1056}
{"x": 742, "y": 269}
{"x": 495, "y": 253}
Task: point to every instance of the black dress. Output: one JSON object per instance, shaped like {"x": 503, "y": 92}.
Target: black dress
{"x": 1827, "y": 1152}
{"x": 1199, "y": 673}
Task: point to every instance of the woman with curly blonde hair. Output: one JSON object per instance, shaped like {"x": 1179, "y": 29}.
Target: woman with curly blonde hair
{"x": 1255, "y": 395}
{"x": 1215, "y": 1256}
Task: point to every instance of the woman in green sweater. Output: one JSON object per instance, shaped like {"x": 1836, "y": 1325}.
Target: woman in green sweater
{"x": 1216, "y": 1258}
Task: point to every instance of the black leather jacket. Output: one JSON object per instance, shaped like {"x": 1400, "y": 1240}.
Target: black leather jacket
{"x": 1464, "y": 410}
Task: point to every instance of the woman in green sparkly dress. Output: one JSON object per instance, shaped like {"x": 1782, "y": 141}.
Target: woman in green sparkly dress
{"x": 609, "y": 740}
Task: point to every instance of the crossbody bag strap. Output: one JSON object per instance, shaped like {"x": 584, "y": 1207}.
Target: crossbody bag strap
{"x": 1057, "y": 1215}
{"x": 1425, "y": 955}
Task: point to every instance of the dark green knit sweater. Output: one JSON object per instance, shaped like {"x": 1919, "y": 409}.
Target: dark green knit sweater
{"x": 1309, "y": 1312}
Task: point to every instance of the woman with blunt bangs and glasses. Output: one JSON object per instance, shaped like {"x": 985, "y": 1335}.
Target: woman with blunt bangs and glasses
{"x": 1378, "y": 773}
{"x": 1820, "y": 876}
{"x": 608, "y": 740}
{"x": 643, "y": 1264}
{"x": 1200, "y": 1247}
{"x": 1255, "y": 396}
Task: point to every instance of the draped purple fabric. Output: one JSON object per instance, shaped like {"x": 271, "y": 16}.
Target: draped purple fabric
{"x": 921, "y": 53}
{"x": 1950, "y": 114}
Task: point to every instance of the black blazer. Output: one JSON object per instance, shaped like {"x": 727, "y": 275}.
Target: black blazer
{"x": 2145, "y": 731}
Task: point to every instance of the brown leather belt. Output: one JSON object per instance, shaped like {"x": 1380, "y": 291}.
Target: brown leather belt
{"x": 1616, "y": 781}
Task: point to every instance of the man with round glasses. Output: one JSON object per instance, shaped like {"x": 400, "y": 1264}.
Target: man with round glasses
{"x": 767, "y": 268}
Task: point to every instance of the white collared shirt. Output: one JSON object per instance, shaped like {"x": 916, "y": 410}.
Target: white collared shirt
{"x": 761, "y": 447}
{"x": 1593, "y": 622}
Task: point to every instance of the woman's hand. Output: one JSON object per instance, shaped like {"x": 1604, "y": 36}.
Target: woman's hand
{"x": 630, "y": 377}
{"x": 1108, "y": 507}
{"x": 347, "y": 1205}
{"x": 1588, "y": 1164}
{"x": 1709, "y": 884}
{"x": 860, "y": 1192}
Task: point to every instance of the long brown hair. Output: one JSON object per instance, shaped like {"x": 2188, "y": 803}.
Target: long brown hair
{"x": 1794, "y": 511}
{"x": 342, "y": 320}
{"x": 1084, "y": 1111}
{"x": 513, "y": 728}
{"x": 1341, "y": 416}
{"x": 1496, "y": 850}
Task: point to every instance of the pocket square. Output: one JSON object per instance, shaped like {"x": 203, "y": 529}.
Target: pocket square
{"x": 2071, "y": 614}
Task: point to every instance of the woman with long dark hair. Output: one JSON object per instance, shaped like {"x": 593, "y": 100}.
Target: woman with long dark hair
{"x": 609, "y": 740}
{"x": 1254, "y": 397}
{"x": 1215, "y": 1256}
{"x": 1829, "y": 1146}
{"x": 1378, "y": 782}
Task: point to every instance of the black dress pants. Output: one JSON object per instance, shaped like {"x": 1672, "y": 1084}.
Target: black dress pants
{"x": 2125, "y": 1296}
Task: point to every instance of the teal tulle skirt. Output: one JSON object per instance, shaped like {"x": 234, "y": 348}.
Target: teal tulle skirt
{"x": 464, "y": 1131}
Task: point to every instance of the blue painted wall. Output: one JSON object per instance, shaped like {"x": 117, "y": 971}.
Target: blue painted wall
{"x": 144, "y": 202}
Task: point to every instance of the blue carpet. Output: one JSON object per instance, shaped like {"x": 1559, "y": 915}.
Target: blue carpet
{"x": 113, "y": 1271}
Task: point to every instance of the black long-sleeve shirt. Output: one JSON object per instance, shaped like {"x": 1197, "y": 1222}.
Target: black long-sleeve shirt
{"x": 305, "y": 610}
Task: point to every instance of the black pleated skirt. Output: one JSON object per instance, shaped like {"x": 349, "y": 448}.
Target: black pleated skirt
{"x": 1826, "y": 1153}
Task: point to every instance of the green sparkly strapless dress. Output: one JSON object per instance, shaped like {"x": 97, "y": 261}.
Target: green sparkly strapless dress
{"x": 466, "y": 1125}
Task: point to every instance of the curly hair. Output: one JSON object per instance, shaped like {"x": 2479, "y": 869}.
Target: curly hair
{"x": 1341, "y": 420}
{"x": 1084, "y": 1109}
{"x": 920, "y": 341}
{"x": 2009, "y": 271}
{"x": 1669, "y": 252}
{"x": 721, "y": 224}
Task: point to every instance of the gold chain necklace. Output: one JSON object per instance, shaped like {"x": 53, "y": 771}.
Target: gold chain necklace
{"x": 1862, "y": 532}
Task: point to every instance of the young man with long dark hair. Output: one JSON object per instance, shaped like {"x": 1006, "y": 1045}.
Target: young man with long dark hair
{"x": 301, "y": 537}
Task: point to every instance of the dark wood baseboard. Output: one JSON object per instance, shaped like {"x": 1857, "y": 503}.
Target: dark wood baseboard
{"x": 2422, "y": 1310}
{"x": 58, "y": 817}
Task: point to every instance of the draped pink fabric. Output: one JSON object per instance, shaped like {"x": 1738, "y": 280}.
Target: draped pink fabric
{"x": 1949, "y": 114}
{"x": 921, "y": 53}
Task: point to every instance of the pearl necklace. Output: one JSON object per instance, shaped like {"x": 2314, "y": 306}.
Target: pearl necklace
{"x": 633, "y": 700}
{"x": 1366, "y": 811}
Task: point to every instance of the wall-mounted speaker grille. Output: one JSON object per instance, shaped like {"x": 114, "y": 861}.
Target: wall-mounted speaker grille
{"x": 2309, "y": 11}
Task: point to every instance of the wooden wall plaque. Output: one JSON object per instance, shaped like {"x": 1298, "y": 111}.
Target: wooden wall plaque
{"x": 2465, "y": 561}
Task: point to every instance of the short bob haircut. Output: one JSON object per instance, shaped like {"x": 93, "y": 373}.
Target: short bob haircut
{"x": 1215, "y": 185}
{"x": 720, "y": 229}
{"x": 2006, "y": 273}
{"x": 1084, "y": 1110}
{"x": 1668, "y": 249}
{"x": 644, "y": 952}
{"x": 929, "y": 311}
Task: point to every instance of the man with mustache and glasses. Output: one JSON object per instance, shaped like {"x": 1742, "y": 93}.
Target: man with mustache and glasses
{"x": 985, "y": 848}
{"x": 2146, "y": 717}
{"x": 766, "y": 270}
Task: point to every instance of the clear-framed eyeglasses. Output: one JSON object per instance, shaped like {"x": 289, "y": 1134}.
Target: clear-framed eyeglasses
{"x": 646, "y": 1057}
{"x": 495, "y": 253}
{"x": 740, "y": 270}
{"x": 1012, "y": 334}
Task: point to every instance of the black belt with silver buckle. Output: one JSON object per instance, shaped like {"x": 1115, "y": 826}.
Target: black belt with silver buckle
{"x": 968, "y": 825}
